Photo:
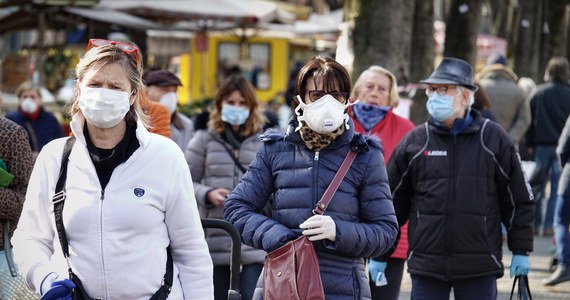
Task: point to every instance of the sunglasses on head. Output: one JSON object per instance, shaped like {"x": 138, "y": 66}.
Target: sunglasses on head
{"x": 127, "y": 48}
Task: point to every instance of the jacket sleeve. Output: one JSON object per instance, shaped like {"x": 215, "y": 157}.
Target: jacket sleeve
{"x": 563, "y": 148}
{"x": 196, "y": 158}
{"x": 522, "y": 119}
{"x": 399, "y": 176}
{"x": 33, "y": 240}
{"x": 245, "y": 203}
{"x": 529, "y": 136}
{"x": 375, "y": 230}
{"x": 159, "y": 119}
{"x": 515, "y": 196}
{"x": 19, "y": 162}
{"x": 188, "y": 245}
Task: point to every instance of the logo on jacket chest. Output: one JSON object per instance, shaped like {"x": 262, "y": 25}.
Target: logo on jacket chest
{"x": 138, "y": 191}
{"x": 435, "y": 153}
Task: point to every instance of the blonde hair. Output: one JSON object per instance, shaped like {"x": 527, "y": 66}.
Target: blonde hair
{"x": 98, "y": 57}
{"x": 256, "y": 119}
{"x": 394, "y": 97}
{"x": 28, "y": 86}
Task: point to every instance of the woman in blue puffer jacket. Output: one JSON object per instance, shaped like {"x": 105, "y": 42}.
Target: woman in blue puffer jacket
{"x": 297, "y": 167}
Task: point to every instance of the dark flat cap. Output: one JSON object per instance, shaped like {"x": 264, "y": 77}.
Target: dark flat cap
{"x": 161, "y": 78}
{"x": 452, "y": 71}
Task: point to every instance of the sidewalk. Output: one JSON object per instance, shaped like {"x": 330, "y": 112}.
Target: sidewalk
{"x": 539, "y": 263}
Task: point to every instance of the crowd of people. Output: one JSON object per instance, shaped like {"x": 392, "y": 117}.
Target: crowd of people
{"x": 113, "y": 211}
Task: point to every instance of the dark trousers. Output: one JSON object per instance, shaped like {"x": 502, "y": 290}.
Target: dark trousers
{"x": 247, "y": 280}
{"x": 479, "y": 288}
{"x": 394, "y": 272}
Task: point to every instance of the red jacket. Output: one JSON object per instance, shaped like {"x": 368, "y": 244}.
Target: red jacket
{"x": 390, "y": 131}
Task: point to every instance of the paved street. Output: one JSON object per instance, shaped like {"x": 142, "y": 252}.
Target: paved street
{"x": 540, "y": 261}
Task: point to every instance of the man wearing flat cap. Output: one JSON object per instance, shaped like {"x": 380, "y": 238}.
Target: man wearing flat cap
{"x": 457, "y": 178}
{"x": 161, "y": 87}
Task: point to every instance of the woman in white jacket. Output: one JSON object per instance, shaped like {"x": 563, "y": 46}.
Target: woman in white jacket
{"x": 129, "y": 197}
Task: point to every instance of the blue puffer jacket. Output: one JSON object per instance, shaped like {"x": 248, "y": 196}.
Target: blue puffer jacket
{"x": 361, "y": 208}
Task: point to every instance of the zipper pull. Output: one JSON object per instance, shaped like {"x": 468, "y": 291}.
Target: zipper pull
{"x": 102, "y": 195}
{"x": 317, "y": 155}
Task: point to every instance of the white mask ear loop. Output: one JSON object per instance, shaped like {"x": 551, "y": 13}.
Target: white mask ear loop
{"x": 346, "y": 116}
{"x": 299, "y": 117}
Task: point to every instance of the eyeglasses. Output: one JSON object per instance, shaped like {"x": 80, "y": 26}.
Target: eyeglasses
{"x": 442, "y": 90}
{"x": 315, "y": 95}
{"x": 125, "y": 47}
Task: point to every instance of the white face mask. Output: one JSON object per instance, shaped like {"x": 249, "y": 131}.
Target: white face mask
{"x": 29, "y": 105}
{"x": 170, "y": 101}
{"x": 324, "y": 115}
{"x": 104, "y": 108}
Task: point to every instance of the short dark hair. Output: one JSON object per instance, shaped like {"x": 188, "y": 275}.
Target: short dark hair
{"x": 558, "y": 69}
{"x": 330, "y": 70}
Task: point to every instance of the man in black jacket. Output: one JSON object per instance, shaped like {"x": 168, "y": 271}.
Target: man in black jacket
{"x": 549, "y": 107}
{"x": 457, "y": 178}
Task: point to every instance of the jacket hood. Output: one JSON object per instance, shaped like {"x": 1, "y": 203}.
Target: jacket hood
{"x": 497, "y": 71}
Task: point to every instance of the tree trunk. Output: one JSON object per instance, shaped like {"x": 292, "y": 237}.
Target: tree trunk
{"x": 382, "y": 36}
{"x": 526, "y": 46}
{"x": 422, "y": 56}
{"x": 461, "y": 30}
{"x": 502, "y": 14}
{"x": 554, "y": 31}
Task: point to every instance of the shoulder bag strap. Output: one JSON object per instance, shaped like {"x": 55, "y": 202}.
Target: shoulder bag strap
{"x": 231, "y": 153}
{"x": 59, "y": 196}
{"x": 333, "y": 186}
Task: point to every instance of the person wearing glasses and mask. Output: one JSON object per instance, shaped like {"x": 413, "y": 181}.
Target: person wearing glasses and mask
{"x": 297, "y": 166}
{"x": 218, "y": 157}
{"x": 377, "y": 91}
{"x": 457, "y": 178}
{"x": 129, "y": 214}
{"x": 42, "y": 126}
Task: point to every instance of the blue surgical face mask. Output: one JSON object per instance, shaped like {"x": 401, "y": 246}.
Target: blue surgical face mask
{"x": 235, "y": 115}
{"x": 440, "y": 107}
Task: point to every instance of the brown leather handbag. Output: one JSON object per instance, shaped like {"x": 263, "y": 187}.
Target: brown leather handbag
{"x": 292, "y": 270}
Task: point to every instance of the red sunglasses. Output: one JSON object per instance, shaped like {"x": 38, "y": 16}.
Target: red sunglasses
{"x": 125, "y": 47}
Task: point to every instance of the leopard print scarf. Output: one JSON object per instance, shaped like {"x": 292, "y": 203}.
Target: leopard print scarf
{"x": 317, "y": 141}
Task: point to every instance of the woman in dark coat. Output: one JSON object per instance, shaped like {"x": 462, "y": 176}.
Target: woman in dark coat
{"x": 296, "y": 168}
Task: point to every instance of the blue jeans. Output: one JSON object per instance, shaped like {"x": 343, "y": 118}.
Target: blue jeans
{"x": 247, "y": 280}
{"x": 546, "y": 157}
{"x": 479, "y": 288}
{"x": 562, "y": 219}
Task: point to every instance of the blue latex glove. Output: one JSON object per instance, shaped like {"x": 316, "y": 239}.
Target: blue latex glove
{"x": 375, "y": 267}
{"x": 520, "y": 265}
{"x": 59, "y": 290}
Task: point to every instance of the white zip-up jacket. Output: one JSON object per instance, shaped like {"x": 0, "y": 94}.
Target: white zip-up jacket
{"x": 117, "y": 236}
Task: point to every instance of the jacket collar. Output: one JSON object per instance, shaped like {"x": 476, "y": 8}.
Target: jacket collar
{"x": 295, "y": 138}
{"x": 78, "y": 122}
{"x": 474, "y": 126}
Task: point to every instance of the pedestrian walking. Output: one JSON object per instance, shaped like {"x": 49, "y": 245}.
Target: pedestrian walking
{"x": 562, "y": 212}
{"x": 457, "y": 178}
{"x": 218, "y": 157}
{"x": 161, "y": 87}
{"x": 291, "y": 172}
{"x": 550, "y": 108}
{"x": 41, "y": 125}
{"x": 126, "y": 223}
{"x": 377, "y": 91}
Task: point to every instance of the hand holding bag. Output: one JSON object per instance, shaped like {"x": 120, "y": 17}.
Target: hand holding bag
{"x": 292, "y": 270}
{"x": 523, "y": 289}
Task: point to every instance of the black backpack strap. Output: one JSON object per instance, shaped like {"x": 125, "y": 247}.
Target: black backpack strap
{"x": 59, "y": 196}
